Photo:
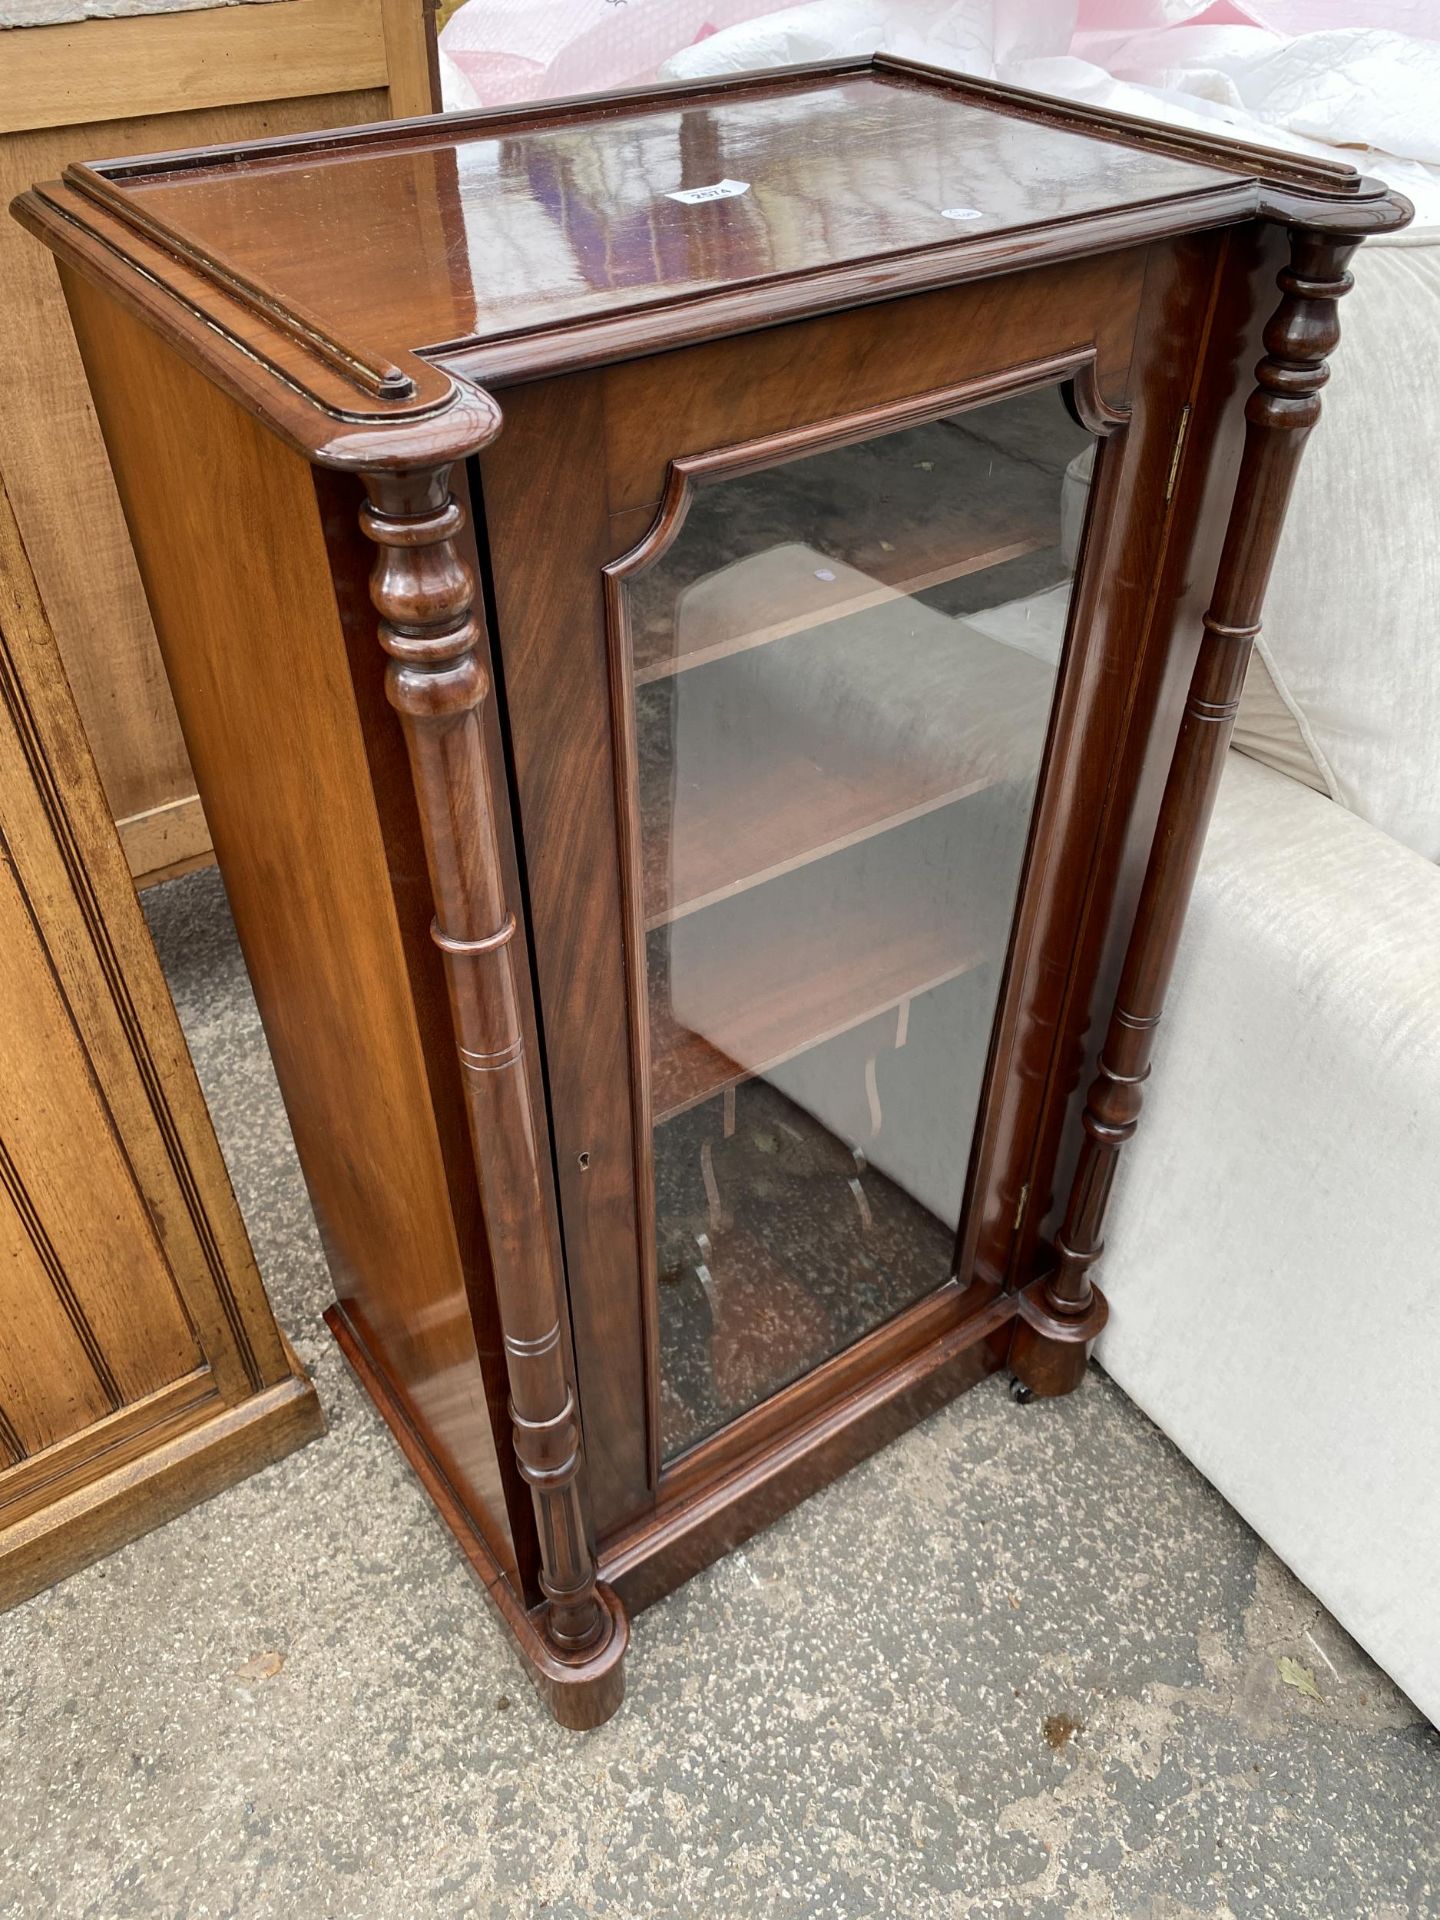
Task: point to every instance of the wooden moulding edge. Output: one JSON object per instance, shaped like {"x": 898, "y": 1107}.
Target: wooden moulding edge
{"x": 582, "y": 1694}
{"x": 1147, "y": 134}
{"x": 141, "y": 1494}
{"x": 269, "y": 370}
{"x": 349, "y": 403}
{"x": 677, "y": 1540}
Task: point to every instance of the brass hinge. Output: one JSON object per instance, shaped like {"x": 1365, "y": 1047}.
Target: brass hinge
{"x": 1021, "y": 1205}
{"x": 1179, "y": 449}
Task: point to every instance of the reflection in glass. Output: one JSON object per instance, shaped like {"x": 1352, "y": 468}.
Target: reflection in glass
{"x": 843, "y": 670}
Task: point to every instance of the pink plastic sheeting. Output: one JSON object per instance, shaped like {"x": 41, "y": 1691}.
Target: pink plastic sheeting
{"x": 508, "y": 50}
{"x": 495, "y": 52}
{"x": 1420, "y": 18}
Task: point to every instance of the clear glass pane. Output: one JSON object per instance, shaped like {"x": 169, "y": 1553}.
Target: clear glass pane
{"x": 844, "y": 669}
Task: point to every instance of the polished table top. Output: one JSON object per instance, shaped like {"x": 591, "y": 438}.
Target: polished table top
{"x": 348, "y": 285}
{"x": 454, "y": 236}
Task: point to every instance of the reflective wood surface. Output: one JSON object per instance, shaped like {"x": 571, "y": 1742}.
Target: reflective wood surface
{"x": 453, "y": 237}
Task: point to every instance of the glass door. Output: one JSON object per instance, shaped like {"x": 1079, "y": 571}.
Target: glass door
{"x": 840, "y": 673}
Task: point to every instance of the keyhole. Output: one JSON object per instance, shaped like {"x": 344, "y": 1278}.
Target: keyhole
{"x": 583, "y": 1162}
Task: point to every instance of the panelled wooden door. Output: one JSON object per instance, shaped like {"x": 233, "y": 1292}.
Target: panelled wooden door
{"x": 799, "y": 636}
{"x": 140, "y": 1367}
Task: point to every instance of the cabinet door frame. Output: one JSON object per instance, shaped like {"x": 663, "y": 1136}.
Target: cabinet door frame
{"x": 566, "y": 526}
{"x": 1075, "y": 374}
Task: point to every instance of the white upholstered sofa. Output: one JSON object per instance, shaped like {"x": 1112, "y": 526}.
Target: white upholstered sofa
{"x": 1274, "y": 1237}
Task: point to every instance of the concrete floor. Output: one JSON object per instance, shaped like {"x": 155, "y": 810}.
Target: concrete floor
{"x": 1024, "y": 1662}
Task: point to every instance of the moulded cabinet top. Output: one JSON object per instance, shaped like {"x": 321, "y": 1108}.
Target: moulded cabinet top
{"x": 473, "y": 236}
{"x": 508, "y": 244}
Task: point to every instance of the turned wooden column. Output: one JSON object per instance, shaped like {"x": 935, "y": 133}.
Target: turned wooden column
{"x": 1062, "y": 1312}
{"x": 424, "y": 591}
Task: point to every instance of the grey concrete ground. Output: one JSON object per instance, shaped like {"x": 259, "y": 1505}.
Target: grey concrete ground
{"x": 1025, "y": 1662}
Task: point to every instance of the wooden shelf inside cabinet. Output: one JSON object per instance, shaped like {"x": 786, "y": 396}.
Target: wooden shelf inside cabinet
{"x": 784, "y": 968}
{"x": 742, "y": 777}
{"x": 891, "y": 516}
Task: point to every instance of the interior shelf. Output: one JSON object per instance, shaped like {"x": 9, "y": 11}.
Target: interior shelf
{"x": 951, "y": 502}
{"x": 760, "y": 764}
{"x": 747, "y": 986}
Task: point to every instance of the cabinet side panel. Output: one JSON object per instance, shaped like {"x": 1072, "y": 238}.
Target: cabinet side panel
{"x": 228, "y": 536}
{"x": 67, "y": 864}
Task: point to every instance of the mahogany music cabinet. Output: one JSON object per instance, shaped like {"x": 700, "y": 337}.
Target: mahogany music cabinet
{"x": 711, "y": 925}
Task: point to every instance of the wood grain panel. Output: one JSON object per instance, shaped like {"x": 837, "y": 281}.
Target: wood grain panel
{"x": 64, "y": 76}
{"x": 820, "y": 369}
{"x": 92, "y": 1514}
{"x": 65, "y": 859}
{"x": 412, "y": 63}
{"x": 58, "y": 1144}
{"x": 106, "y": 1441}
{"x": 553, "y": 449}
{"x": 133, "y": 1314}
{"x": 49, "y": 1386}
{"x": 229, "y": 539}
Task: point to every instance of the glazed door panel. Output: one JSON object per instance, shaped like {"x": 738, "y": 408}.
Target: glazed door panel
{"x": 836, "y": 672}
{"x": 780, "y": 704}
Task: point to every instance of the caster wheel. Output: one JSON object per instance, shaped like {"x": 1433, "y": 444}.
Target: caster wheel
{"x": 1020, "y": 1393}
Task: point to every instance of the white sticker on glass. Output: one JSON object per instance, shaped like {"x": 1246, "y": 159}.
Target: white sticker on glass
{"x": 961, "y": 213}
{"x": 722, "y": 190}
